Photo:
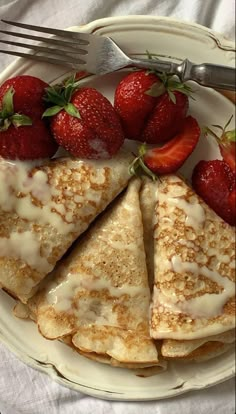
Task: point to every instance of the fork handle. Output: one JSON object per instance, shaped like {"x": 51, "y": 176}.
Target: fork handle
{"x": 207, "y": 74}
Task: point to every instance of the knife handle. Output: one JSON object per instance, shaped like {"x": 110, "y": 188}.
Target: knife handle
{"x": 207, "y": 74}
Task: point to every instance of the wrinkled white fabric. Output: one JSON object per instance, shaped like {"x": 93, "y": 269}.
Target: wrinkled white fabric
{"x": 22, "y": 389}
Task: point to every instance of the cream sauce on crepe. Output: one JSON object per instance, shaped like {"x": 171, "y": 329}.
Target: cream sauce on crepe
{"x": 94, "y": 309}
{"x": 99, "y": 295}
{"x": 194, "y": 266}
{"x": 44, "y": 207}
{"x": 195, "y": 215}
{"x": 27, "y": 191}
{"x": 25, "y": 246}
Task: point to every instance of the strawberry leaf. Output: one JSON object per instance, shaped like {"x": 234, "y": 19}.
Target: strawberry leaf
{"x": 218, "y": 126}
{"x": 68, "y": 92}
{"x": 231, "y": 135}
{"x": 171, "y": 96}
{"x": 54, "y": 96}
{"x": 4, "y": 124}
{"x": 72, "y": 110}
{"x": 7, "y": 115}
{"x": 171, "y": 82}
{"x": 147, "y": 170}
{"x": 52, "y": 111}
{"x": 60, "y": 96}
{"x": 7, "y": 103}
{"x": 207, "y": 131}
{"x": 227, "y": 123}
{"x": 138, "y": 165}
{"x": 20, "y": 120}
{"x": 157, "y": 89}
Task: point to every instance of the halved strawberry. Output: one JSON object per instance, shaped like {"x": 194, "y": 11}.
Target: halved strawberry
{"x": 227, "y": 143}
{"x": 171, "y": 156}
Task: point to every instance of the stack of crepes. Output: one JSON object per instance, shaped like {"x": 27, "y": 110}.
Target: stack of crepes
{"x": 151, "y": 279}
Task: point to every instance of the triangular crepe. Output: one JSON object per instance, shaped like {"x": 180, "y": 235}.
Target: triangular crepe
{"x": 198, "y": 349}
{"x": 194, "y": 257}
{"x": 99, "y": 295}
{"x": 43, "y": 209}
{"x": 148, "y": 201}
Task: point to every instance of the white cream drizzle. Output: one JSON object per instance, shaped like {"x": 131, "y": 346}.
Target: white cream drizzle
{"x": 96, "y": 309}
{"x": 181, "y": 267}
{"x": 15, "y": 176}
{"x": 24, "y": 246}
{"x": 15, "y": 179}
{"x": 195, "y": 214}
{"x": 18, "y": 188}
{"x": 204, "y": 306}
{"x": 75, "y": 282}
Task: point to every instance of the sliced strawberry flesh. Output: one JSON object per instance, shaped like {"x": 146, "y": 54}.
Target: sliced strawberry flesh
{"x": 171, "y": 156}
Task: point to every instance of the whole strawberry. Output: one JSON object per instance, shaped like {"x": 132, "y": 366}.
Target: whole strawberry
{"x": 28, "y": 94}
{"x": 226, "y": 142}
{"x": 83, "y": 121}
{"x": 133, "y": 103}
{"x": 23, "y": 134}
{"x": 214, "y": 182}
{"x": 27, "y": 142}
{"x": 151, "y": 106}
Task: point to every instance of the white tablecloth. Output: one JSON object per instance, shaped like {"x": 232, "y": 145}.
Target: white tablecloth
{"x": 22, "y": 389}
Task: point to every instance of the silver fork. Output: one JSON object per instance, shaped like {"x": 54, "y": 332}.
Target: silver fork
{"x": 100, "y": 55}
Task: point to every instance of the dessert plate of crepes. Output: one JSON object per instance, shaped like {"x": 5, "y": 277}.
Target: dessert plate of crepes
{"x": 120, "y": 287}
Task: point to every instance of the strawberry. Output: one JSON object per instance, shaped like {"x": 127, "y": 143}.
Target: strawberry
{"x": 232, "y": 201}
{"x": 151, "y": 106}
{"x": 27, "y": 142}
{"x": 133, "y": 103}
{"x": 28, "y": 94}
{"x": 214, "y": 182}
{"x": 83, "y": 121}
{"x": 171, "y": 156}
{"x": 166, "y": 119}
{"x": 226, "y": 142}
{"x": 23, "y": 134}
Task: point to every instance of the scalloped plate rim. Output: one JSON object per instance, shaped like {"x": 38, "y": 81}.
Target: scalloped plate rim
{"x": 50, "y": 368}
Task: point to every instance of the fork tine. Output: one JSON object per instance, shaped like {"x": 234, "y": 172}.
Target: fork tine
{"x": 44, "y": 49}
{"x": 48, "y": 40}
{"x": 69, "y": 63}
{"x": 63, "y": 33}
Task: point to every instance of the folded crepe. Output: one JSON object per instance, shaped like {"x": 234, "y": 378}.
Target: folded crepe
{"x": 194, "y": 266}
{"x": 44, "y": 208}
{"x": 106, "y": 359}
{"x": 99, "y": 295}
{"x": 198, "y": 349}
{"x": 148, "y": 201}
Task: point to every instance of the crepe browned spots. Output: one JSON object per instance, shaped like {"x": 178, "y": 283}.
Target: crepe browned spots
{"x": 44, "y": 208}
{"x": 194, "y": 261}
{"x": 99, "y": 295}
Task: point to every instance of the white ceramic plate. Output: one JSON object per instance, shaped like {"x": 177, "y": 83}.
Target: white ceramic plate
{"x": 135, "y": 35}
